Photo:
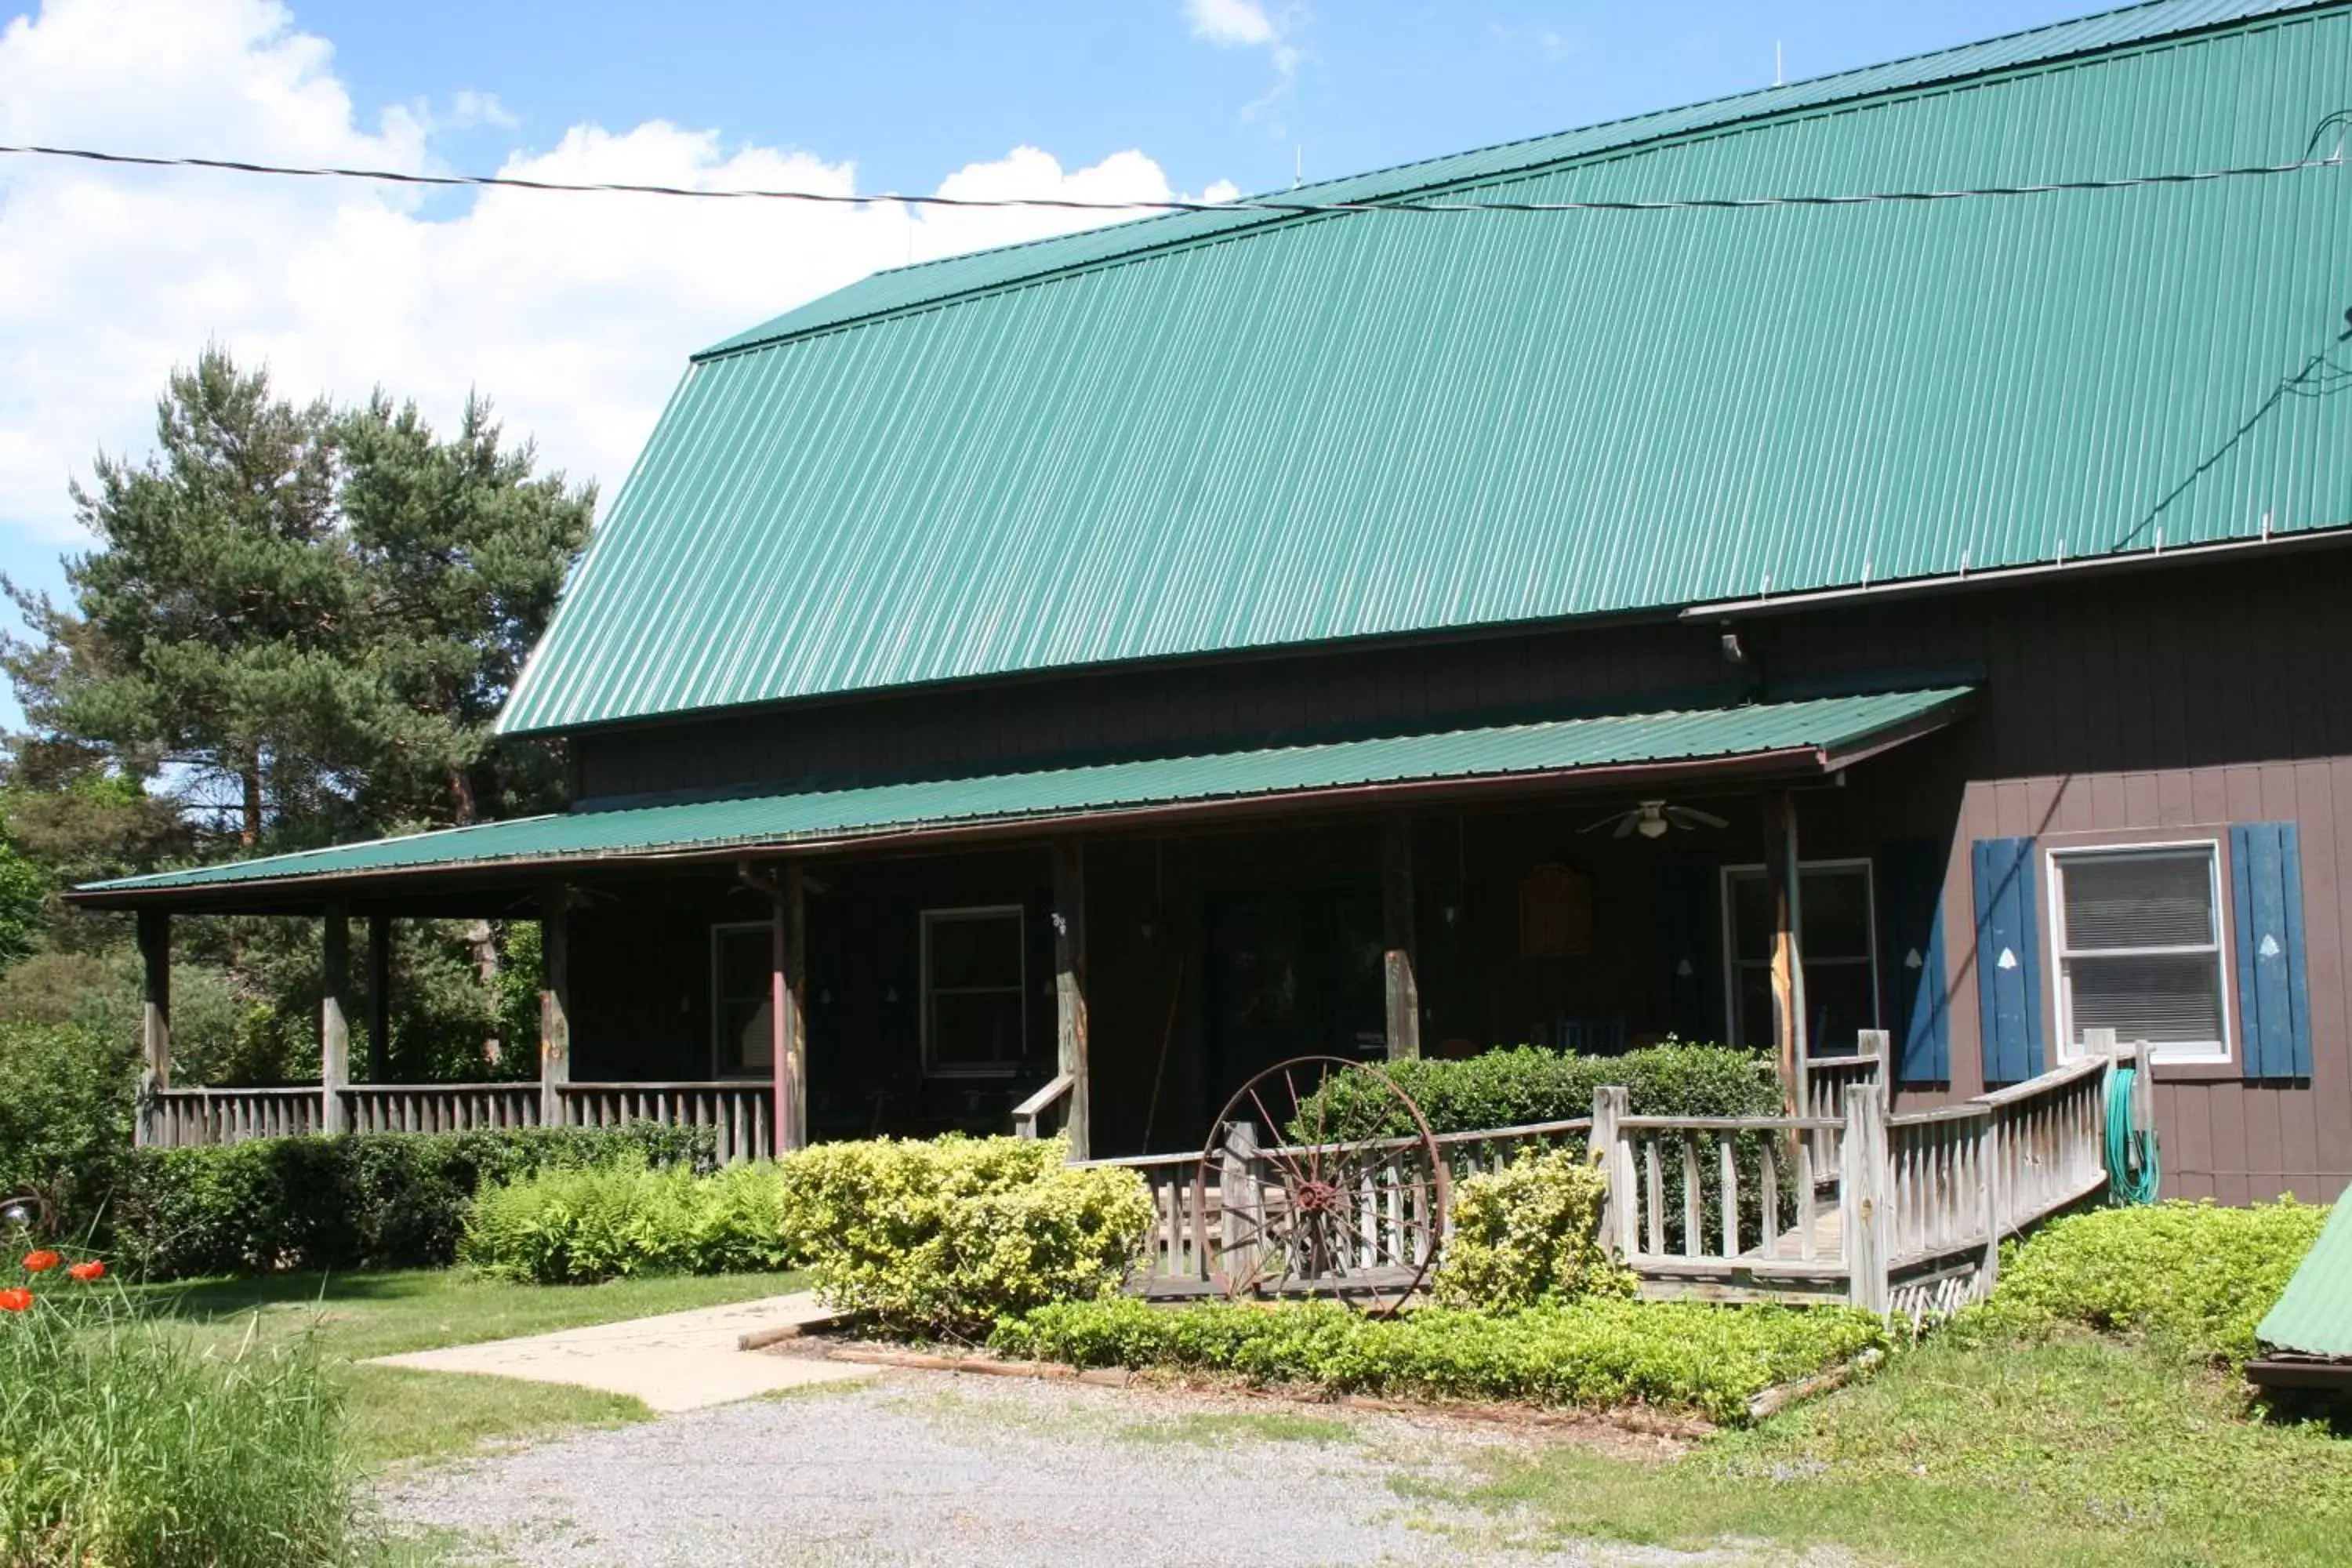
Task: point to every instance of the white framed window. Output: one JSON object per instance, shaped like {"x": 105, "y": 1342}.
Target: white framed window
{"x": 1837, "y": 933}
{"x": 742, "y": 1023}
{"x": 2136, "y": 934}
{"x": 975, "y": 991}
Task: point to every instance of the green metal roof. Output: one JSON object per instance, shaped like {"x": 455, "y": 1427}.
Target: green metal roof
{"x": 2314, "y": 1317}
{"x": 1816, "y": 732}
{"x": 1198, "y": 434}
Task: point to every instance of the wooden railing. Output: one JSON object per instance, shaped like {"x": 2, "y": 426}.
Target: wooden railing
{"x": 440, "y": 1108}
{"x": 1889, "y": 1211}
{"x": 1723, "y": 1205}
{"x": 737, "y": 1113}
{"x": 192, "y": 1118}
{"x": 1040, "y": 1107}
{"x": 1826, "y": 1080}
{"x": 1188, "y": 1213}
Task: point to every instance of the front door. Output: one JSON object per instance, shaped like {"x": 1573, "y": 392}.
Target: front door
{"x": 1292, "y": 973}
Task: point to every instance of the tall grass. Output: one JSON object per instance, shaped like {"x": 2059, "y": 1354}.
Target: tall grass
{"x": 124, "y": 1444}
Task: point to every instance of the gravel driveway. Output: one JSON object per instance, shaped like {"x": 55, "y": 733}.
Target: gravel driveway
{"x": 926, "y": 1468}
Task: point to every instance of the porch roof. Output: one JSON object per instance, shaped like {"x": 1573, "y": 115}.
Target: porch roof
{"x": 1793, "y": 738}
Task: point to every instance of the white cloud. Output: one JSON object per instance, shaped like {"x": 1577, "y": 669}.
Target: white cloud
{"x": 574, "y": 312}
{"x": 1247, "y": 23}
{"x": 1231, "y": 22}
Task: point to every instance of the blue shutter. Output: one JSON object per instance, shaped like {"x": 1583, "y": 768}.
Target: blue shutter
{"x": 2274, "y": 1000}
{"x": 1922, "y": 1020}
{"x": 2007, "y": 958}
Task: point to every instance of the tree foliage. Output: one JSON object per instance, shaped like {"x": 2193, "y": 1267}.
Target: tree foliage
{"x": 294, "y": 625}
{"x": 304, "y": 618}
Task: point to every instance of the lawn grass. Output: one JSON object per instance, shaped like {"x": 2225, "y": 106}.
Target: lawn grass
{"x": 2092, "y": 1452}
{"x": 399, "y": 1414}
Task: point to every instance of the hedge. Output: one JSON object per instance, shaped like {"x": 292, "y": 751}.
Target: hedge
{"x": 367, "y": 1199}
{"x": 2194, "y": 1275}
{"x": 1675, "y": 1355}
{"x": 590, "y": 1223}
{"x": 1525, "y": 1084}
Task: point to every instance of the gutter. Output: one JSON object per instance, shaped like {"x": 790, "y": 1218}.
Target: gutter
{"x": 1953, "y": 582}
{"x": 2295, "y": 1371}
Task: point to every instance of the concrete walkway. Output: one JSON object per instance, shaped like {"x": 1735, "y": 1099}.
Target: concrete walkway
{"x": 680, "y": 1360}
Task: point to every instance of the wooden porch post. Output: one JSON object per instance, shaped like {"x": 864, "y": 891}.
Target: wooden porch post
{"x": 1070, "y": 991}
{"x": 788, "y": 1007}
{"x": 1782, "y": 861}
{"x": 554, "y": 1000}
{"x": 154, "y": 1019}
{"x": 379, "y": 1019}
{"x": 1397, "y": 931}
{"x": 334, "y": 1022}
{"x": 1865, "y": 1189}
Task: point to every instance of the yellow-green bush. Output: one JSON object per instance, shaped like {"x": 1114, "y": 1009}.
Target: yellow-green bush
{"x": 1527, "y": 1235}
{"x": 941, "y": 1237}
{"x": 2196, "y": 1275}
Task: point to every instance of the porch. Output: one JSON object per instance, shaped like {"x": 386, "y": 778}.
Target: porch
{"x": 1106, "y": 950}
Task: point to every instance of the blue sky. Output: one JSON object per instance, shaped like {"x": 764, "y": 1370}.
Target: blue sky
{"x": 912, "y": 91}
{"x": 576, "y": 313}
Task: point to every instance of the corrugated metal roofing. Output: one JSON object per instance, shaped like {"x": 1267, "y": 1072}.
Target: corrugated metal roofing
{"x": 1824, "y": 724}
{"x": 1386, "y": 423}
{"x": 2314, "y": 1317}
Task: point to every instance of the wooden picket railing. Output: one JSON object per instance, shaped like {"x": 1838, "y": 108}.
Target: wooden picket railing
{"x": 440, "y": 1108}
{"x": 1723, "y": 1205}
{"x": 1188, "y": 1212}
{"x": 192, "y": 1118}
{"x": 737, "y": 1114}
{"x": 1844, "y": 1203}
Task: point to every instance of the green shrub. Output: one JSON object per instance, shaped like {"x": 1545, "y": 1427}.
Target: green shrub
{"x": 122, "y": 1446}
{"x": 1527, "y": 1235}
{"x": 1529, "y": 1083}
{"x": 1674, "y": 1356}
{"x": 2195, "y": 1275}
{"x": 367, "y": 1199}
{"x": 941, "y": 1237}
{"x": 585, "y": 1224}
{"x": 66, "y": 1099}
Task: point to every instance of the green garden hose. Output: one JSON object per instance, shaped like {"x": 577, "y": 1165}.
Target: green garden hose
{"x": 2133, "y": 1172}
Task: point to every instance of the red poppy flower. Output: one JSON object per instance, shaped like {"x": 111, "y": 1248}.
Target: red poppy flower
{"x": 93, "y": 1270}
{"x": 41, "y": 1262}
{"x": 16, "y": 1299}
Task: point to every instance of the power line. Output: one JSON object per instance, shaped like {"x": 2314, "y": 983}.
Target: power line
{"x": 1258, "y": 205}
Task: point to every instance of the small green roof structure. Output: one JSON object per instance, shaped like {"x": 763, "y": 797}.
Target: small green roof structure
{"x": 2306, "y": 1339}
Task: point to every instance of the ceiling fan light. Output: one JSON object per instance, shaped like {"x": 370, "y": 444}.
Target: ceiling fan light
{"x": 1652, "y": 827}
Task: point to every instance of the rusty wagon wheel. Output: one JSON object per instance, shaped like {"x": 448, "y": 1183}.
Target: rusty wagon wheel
{"x": 1305, "y": 1210}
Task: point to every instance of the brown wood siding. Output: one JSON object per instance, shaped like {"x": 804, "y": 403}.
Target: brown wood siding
{"x": 2196, "y": 694}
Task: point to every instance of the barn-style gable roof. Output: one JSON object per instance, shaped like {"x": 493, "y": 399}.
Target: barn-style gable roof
{"x": 1196, "y": 434}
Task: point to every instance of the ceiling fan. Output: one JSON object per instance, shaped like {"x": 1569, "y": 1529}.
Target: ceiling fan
{"x": 1653, "y": 819}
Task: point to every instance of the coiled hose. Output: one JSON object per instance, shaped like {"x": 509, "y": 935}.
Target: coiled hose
{"x": 2133, "y": 1171}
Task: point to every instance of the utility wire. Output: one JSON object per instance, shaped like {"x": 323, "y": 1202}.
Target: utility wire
{"x": 1069, "y": 204}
